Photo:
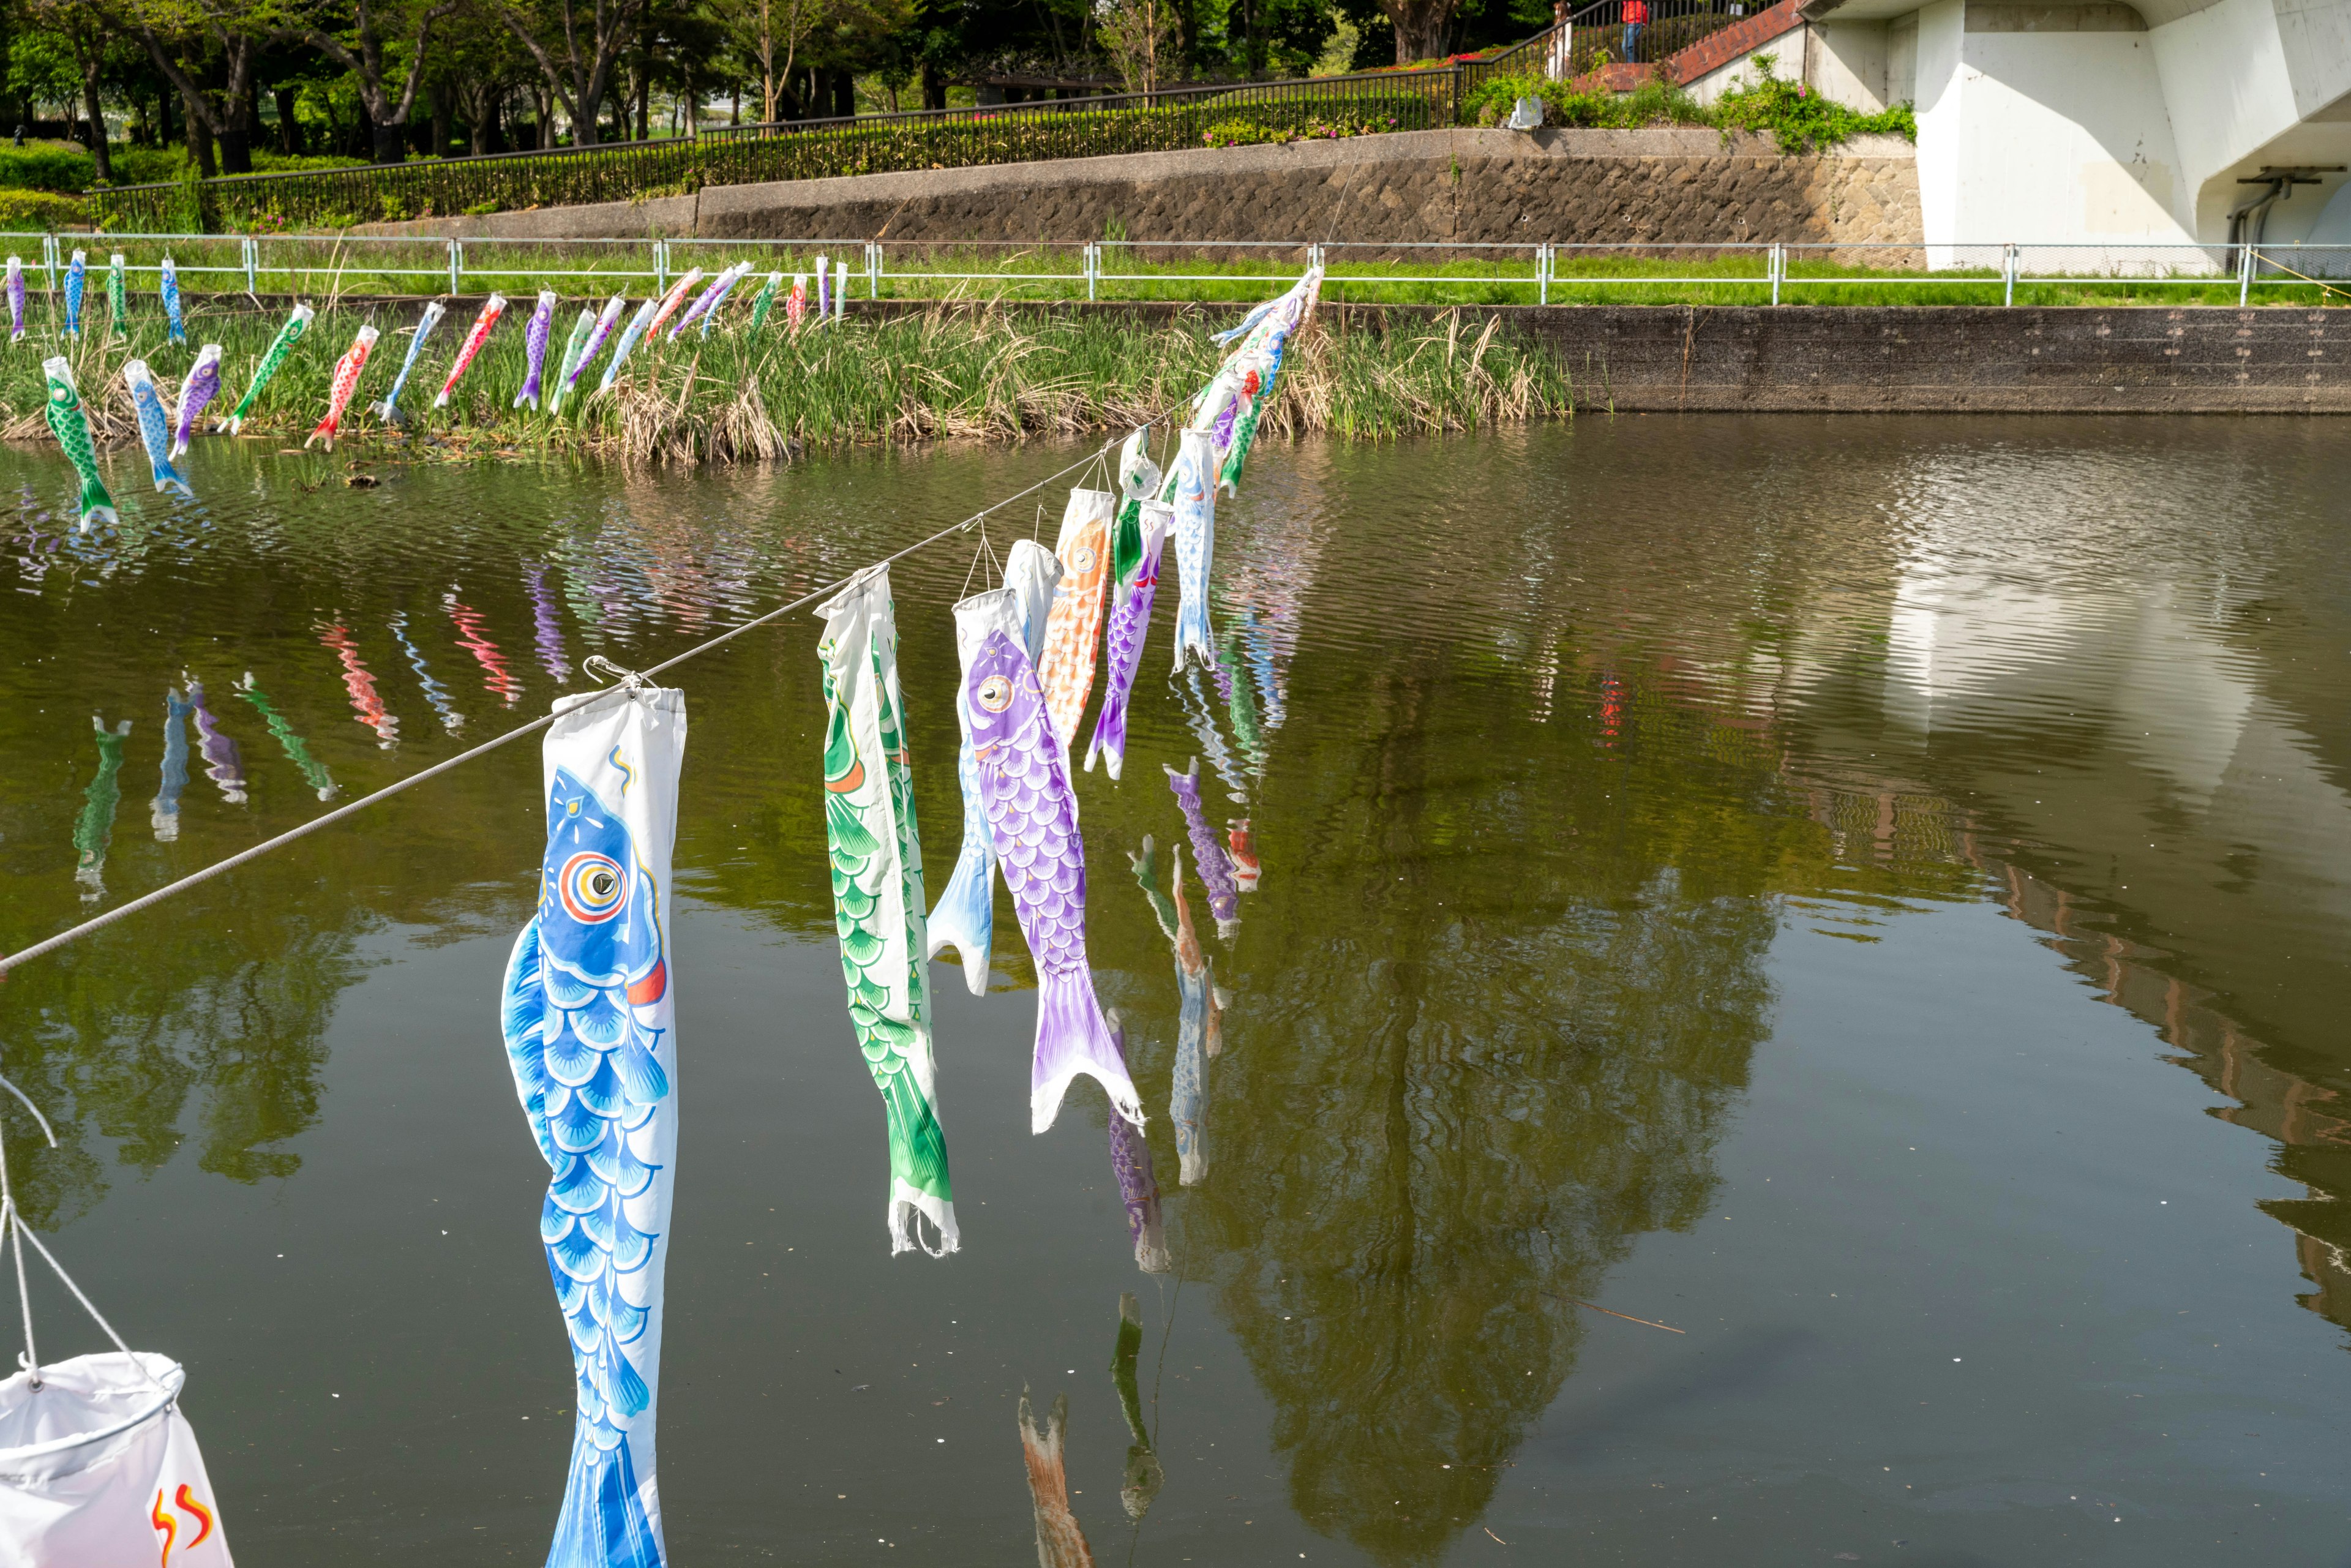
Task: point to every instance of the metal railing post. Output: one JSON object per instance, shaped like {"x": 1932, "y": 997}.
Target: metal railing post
{"x": 1093, "y": 268}
{"x": 456, "y": 267}
{"x": 1776, "y": 264}
{"x": 49, "y": 260}
{"x": 661, "y": 267}
{"x": 2008, "y": 274}
{"x": 252, "y": 248}
{"x": 1543, "y": 274}
{"x": 2244, "y": 275}
{"x": 873, "y": 270}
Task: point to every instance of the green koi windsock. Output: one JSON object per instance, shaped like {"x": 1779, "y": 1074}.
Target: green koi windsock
{"x": 767, "y": 298}
{"x": 580, "y": 331}
{"x": 281, "y": 346}
{"x": 116, "y": 307}
{"x": 71, "y": 427}
{"x": 878, "y": 901}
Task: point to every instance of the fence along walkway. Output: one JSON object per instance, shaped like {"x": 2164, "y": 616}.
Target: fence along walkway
{"x": 326, "y": 267}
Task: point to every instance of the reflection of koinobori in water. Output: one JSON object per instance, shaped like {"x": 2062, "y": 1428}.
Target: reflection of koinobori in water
{"x": 223, "y": 764}
{"x": 163, "y": 814}
{"x": 298, "y": 750}
{"x": 434, "y": 692}
{"x": 1199, "y": 1032}
{"x": 1060, "y": 1542}
{"x": 1144, "y": 1475}
{"x": 359, "y": 681}
{"x": 1138, "y": 1186}
{"x": 94, "y": 831}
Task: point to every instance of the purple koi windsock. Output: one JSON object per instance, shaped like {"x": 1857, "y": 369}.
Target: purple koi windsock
{"x": 492, "y": 308}
{"x": 1129, "y": 624}
{"x": 705, "y": 309}
{"x": 1032, "y": 819}
{"x": 15, "y": 299}
{"x": 605, "y": 322}
{"x": 203, "y": 380}
{"x": 534, "y": 348}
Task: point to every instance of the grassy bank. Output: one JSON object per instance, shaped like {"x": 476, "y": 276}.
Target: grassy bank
{"x": 969, "y": 372}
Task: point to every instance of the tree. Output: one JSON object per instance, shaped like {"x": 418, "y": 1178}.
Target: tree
{"x": 476, "y": 63}
{"x": 580, "y": 82}
{"x": 366, "y": 62}
{"x": 78, "y": 37}
{"x": 172, "y": 31}
{"x": 1142, "y": 39}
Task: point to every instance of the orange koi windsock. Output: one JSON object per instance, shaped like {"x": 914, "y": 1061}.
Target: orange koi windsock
{"x": 1073, "y": 628}
{"x": 492, "y": 308}
{"x": 673, "y": 300}
{"x": 345, "y": 381}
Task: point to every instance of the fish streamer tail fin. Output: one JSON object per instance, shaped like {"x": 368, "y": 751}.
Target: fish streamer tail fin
{"x": 605, "y": 1519}
{"x": 97, "y": 506}
{"x": 918, "y": 1172}
{"x": 964, "y": 916}
{"x": 169, "y": 479}
{"x": 1072, "y": 1036}
{"x": 1193, "y": 635}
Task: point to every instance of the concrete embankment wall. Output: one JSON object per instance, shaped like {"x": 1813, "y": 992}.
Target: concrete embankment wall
{"x": 1558, "y": 186}
{"x": 1894, "y": 360}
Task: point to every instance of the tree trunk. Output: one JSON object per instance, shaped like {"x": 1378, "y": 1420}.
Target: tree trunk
{"x": 101, "y": 164}
{"x": 440, "y": 122}
{"x": 844, "y": 94}
{"x": 162, "y": 118}
{"x": 934, "y": 89}
{"x": 389, "y": 144}
{"x": 200, "y": 145}
{"x": 289, "y": 121}
{"x": 734, "y": 104}
{"x": 1420, "y": 27}
{"x": 644, "y": 100}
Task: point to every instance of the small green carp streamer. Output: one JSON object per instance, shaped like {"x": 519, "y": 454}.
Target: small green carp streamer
{"x": 765, "y": 302}
{"x": 71, "y": 427}
{"x": 117, "y": 305}
{"x": 282, "y": 345}
{"x": 572, "y": 351}
{"x": 878, "y": 903}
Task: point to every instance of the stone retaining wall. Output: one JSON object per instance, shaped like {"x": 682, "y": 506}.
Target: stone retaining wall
{"x": 1561, "y": 186}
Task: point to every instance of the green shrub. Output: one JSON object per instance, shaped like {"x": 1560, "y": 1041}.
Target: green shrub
{"x": 38, "y": 211}
{"x": 46, "y": 166}
{"x": 1802, "y": 120}
{"x": 1240, "y": 133}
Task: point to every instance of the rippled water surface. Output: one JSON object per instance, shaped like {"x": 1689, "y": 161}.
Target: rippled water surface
{"x": 1869, "y": 896}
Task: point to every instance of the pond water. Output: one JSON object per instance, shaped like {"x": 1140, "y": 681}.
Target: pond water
{"x": 1870, "y": 897}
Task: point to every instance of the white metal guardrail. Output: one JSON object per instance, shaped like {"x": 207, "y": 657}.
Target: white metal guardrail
{"x": 332, "y": 264}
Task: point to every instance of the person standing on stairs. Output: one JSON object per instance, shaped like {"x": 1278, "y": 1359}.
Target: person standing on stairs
{"x": 1637, "y": 21}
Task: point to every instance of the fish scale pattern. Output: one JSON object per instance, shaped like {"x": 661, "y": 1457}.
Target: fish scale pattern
{"x": 579, "y": 1005}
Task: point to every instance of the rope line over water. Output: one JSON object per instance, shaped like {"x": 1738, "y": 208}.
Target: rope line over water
{"x": 171, "y": 890}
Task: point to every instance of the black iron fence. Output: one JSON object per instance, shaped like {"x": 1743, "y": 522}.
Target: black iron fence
{"x": 1165, "y": 120}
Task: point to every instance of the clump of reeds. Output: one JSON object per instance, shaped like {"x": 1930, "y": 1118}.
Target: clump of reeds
{"x": 973, "y": 371}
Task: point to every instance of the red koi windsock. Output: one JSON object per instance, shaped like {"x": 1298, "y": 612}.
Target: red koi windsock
{"x": 671, "y": 302}
{"x": 491, "y": 309}
{"x": 345, "y": 381}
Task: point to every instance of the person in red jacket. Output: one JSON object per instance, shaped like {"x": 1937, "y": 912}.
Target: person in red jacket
{"x": 1636, "y": 19}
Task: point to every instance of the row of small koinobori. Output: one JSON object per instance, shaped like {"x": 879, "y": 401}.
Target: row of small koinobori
{"x": 165, "y": 432}
{"x": 588, "y": 1003}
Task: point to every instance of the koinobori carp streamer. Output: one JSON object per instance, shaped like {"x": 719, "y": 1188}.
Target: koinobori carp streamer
{"x": 155, "y": 427}
{"x": 492, "y": 308}
{"x": 279, "y": 348}
{"x": 388, "y": 410}
{"x": 342, "y": 385}
{"x": 876, "y": 858}
{"x": 71, "y": 427}
{"x": 589, "y": 1021}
